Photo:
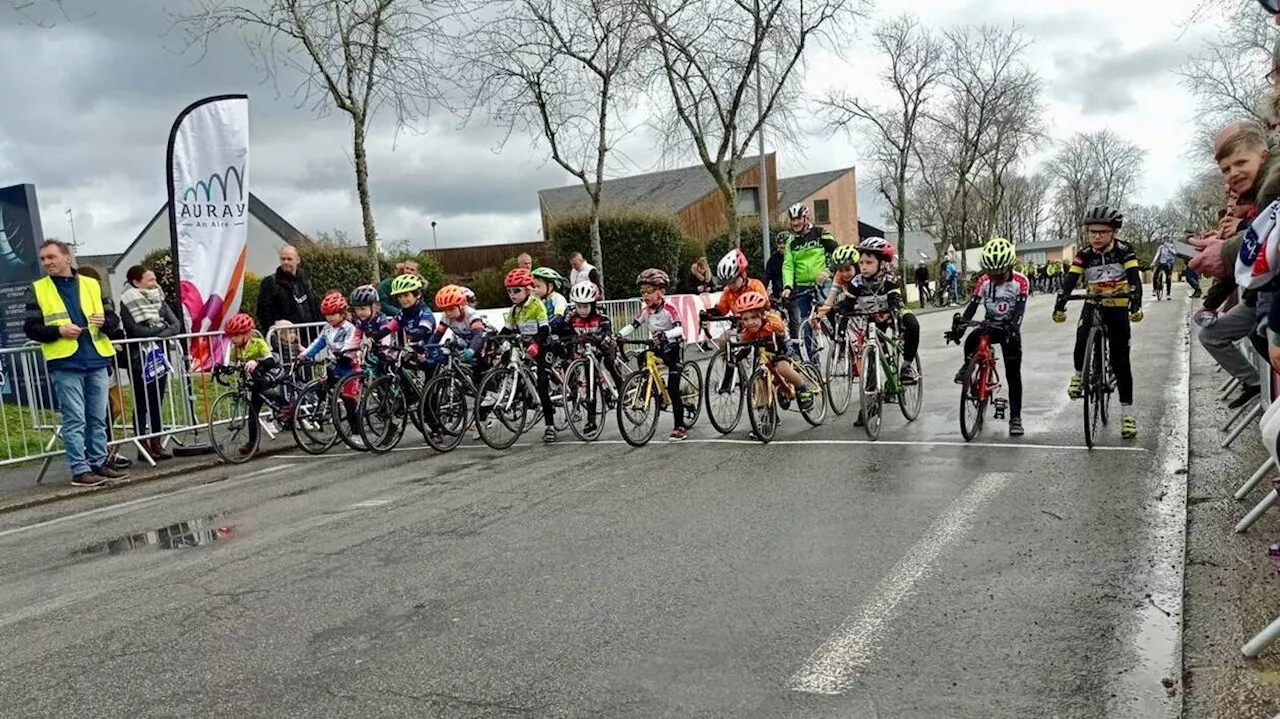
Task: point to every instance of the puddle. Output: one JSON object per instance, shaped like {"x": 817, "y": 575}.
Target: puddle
{"x": 180, "y": 535}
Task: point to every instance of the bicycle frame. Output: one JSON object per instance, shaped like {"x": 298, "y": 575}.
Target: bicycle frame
{"x": 989, "y": 375}
{"x": 653, "y": 368}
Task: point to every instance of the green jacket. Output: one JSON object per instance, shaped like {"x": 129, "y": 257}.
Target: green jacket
{"x": 806, "y": 255}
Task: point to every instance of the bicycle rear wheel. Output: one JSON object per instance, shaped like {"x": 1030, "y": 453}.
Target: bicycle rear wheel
{"x": 444, "y": 399}
{"x": 691, "y": 393}
{"x": 383, "y": 414}
{"x": 762, "y": 405}
{"x": 229, "y": 418}
{"x": 639, "y": 408}
{"x": 1093, "y": 378}
{"x": 313, "y": 426}
{"x": 724, "y": 392}
{"x": 912, "y": 395}
{"x": 584, "y": 400}
{"x": 870, "y": 399}
{"x": 500, "y": 390}
{"x": 817, "y": 413}
{"x": 840, "y": 375}
{"x": 973, "y": 406}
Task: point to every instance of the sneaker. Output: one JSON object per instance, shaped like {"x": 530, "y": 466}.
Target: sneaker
{"x": 1075, "y": 390}
{"x": 549, "y": 435}
{"x": 860, "y": 421}
{"x": 1128, "y": 426}
{"x": 676, "y": 435}
{"x": 590, "y": 429}
{"x": 88, "y": 479}
{"x": 804, "y": 398}
{"x": 1015, "y": 426}
{"x": 245, "y": 451}
{"x": 966, "y": 371}
{"x": 1250, "y": 391}
{"x": 908, "y": 375}
{"x": 109, "y": 473}
{"x": 119, "y": 461}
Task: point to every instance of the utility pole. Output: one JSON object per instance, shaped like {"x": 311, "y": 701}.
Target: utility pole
{"x": 71, "y": 220}
{"x": 435, "y": 242}
{"x": 764, "y": 177}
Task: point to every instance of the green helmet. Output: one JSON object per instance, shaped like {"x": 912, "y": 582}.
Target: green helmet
{"x": 550, "y": 275}
{"x": 406, "y": 283}
{"x": 998, "y": 255}
{"x": 845, "y": 256}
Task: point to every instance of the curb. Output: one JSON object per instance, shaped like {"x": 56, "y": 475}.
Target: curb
{"x": 67, "y": 492}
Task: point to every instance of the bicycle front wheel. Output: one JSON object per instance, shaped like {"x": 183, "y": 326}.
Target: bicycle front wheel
{"x": 724, "y": 392}
{"x": 444, "y": 403}
{"x": 817, "y": 412}
{"x": 762, "y": 405}
{"x": 383, "y": 414}
{"x": 870, "y": 396}
{"x": 691, "y": 393}
{"x": 346, "y": 412}
{"x": 973, "y": 403}
{"x": 584, "y": 401}
{"x": 912, "y": 395}
{"x": 229, "y": 418}
{"x": 313, "y": 425}
{"x": 500, "y": 419}
{"x": 639, "y": 408}
{"x": 1093, "y": 378}
{"x": 840, "y": 375}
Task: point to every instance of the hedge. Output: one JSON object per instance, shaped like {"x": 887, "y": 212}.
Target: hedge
{"x": 749, "y": 237}
{"x": 631, "y": 242}
{"x": 490, "y": 288}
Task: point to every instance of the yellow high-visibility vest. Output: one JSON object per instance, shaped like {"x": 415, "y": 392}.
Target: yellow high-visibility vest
{"x": 55, "y": 313}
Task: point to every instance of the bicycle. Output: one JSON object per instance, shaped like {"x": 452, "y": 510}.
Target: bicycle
{"x": 841, "y": 361}
{"x": 444, "y": 398}
{"x": 983, "y": 383}
{"x": 374, "y": 361}
{"x": 307, "y": 414}
{"x": 768, "y": 392}
{"x": 1161, "y": 277}
{"x": 384, "y": 403}
{"x": 723, "y": 383}
{"x": 1097, "y": 378}
{"x": 880, "y": 368}
{"x": 645, "y": 389}
{"x": 510, "y": 391}
{"x": 589, "y": 390}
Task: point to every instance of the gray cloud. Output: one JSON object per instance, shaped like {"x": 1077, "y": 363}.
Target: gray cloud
{"x": 1103, "y": 80}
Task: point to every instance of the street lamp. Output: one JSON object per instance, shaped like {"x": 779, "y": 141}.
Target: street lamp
{"x": 434, "y": 241}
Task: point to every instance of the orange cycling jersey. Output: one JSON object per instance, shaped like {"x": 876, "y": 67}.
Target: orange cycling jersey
{"x": 773, "y": 325}
{"x": 728, "y": 296}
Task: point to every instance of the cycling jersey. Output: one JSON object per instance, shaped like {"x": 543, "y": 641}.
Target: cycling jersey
{"x": 805, "y": 256}
{"x": 1112, "y": 271}
{"x": 664, "y": 320}
{"x": 378, "y": 327}
{"x": 773, "y": 326}
{"x": 256, "y": 349}
{"x": 468, "y": 330}
{"x": 527, "y": 318}
{"x": 556, "y": 305}
{"x": 1001, "y": 300}
{"x": 417, "y": 323}
{"x": 593, "y": 324}
{"x": 1165, "y": 254}
{"x": 341, "y": 340}
{"x": 727, "y": 297}
{"x": 882, "y": 284}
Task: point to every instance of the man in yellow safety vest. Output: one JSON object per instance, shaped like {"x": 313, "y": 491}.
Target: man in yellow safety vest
{"x": 66, "y": 316}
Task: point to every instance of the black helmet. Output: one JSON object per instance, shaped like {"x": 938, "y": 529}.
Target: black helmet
{"x": 1103, "y": 215}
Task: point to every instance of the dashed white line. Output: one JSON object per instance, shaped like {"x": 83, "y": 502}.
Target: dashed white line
{"x": 833, "y": 666}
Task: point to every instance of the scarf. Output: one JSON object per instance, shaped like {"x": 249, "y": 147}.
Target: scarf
{"x": 143, "y": 305}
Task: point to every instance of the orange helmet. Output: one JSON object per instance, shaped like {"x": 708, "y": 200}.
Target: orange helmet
{"x": 750, "y": 302}
{"x": 450, "y": 296}
{"x": 239, "y": 324}
{"x": 519, "y": 277}
{"x": 332, "y": 304}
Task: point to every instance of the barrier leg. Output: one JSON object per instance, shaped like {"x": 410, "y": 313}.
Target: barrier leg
{"x": 1231, "y": 422}
{"x": 1248, "y": 422}
{"x": 1262, "y": 640}
{"x": 1260, "y": 509}
{"x": 1248, "y": 486}
{"x": 1228, "y": 388}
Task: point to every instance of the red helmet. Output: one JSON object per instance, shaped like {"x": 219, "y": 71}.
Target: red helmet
{"x": 450, "y": 296}
{"x": 239, "y": 324}
{"x": 877, "y": 246}
{"x": 750, "y": 302}
{"x": 332, "y": 304}
{"x": 519, "y": 277}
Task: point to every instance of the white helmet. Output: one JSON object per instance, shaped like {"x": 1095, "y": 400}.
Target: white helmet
{"x": 797, "y": 211}
{"x": 584, "y": 293}
{"x": 471, "y": 296}
{"x": 731, "y": 266}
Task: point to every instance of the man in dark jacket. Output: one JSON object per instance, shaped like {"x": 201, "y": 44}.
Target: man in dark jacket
{"x": 773, "y": 268}
{"x": 287, "y": 294}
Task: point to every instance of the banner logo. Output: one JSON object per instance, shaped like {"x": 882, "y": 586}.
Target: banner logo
{"x": 216, "y": 202}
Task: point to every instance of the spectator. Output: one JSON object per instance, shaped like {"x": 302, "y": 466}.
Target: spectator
{"x": 773, "y": 268}
{"x": 922, "y": 282}
{"x": 582, "y": 271}
{"x": 67, "y": 316}
{"x": 700, "y": 277}
{"x": 115, "y": 400}
{"x": 287, "y": 295}
{"x": 525, "y": 261}
{"x": 144, "y": 313}
{"x": 390, "y": 307}
{"x": 951, "y": 276}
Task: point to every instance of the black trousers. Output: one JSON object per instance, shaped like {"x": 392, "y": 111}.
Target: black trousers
{"x": 1116, "y": 320}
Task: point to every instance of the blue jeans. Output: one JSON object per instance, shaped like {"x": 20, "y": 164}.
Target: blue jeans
{"x": 804, "y": 299}
{"x": 83, "y": 397}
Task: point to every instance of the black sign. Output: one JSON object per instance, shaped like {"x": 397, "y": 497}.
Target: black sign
{"x": 13, "y": 301}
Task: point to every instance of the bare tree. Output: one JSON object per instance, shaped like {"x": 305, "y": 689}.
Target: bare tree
{"x": 355, "y": 56}
{"x": 1119, "y": 162}
{"x": 913, "y": 74}
{"x": 562, "y": 70}
{"x": 1228, "y": 78}
{"x": 40, "y": 13}
{"x": 713, "y": 55}
{"x": 1024, "y": 209}
{"x": 1194, "y": 208}
{"x": 1094, "y": 168}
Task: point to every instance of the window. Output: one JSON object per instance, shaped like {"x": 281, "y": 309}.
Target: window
{"x": 822, "y": 211}
{"x": 748, "y": 200}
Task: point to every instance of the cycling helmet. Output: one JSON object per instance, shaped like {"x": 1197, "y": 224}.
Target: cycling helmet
{"x": 471, "y": 296}
{"x": 732, "y": 266}
{"x": 653, "y": 276}
{"x": 750, "y": 302}
{"x": 406, "y": 283}
{"x": 845, "y": 255}
{"x": 998, "y": 255}
{"x": 239, "y": 324}
{"x": 798, "y": 211}
{"x": 364, "y": 296}
{"x": 1103, "y": 215}
{"x": 333, "y": 303}
{"x": 549, "y": 275}
{"x": 519, "y": 277}
{"x": 878, "y": 246}
{"x": 450, "y": 296}
{"x": 584, "y": 293}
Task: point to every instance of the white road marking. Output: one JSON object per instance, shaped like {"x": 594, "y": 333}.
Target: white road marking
{"x": 370, "y": 503}
{"x": 833, "y": 666}
{"x": 137, "y": 502}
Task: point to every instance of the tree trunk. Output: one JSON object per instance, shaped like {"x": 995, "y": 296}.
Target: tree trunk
{"x": 362, "y": 190}
{"x": 731, "y": 210}
{"x": 597, "y": 253}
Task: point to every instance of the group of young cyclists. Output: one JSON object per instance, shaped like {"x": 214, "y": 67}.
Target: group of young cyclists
{"x": 841, "y": 280}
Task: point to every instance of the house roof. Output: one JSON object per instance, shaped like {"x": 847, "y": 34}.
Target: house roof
{"x": 666, "y": 191}
{"x": 865, "y": 230}
{"x": 108, "y": 260}
{"x": 917, "y": 246}
{"x": 257, "y": 208}
{"x": 795, "y": 189}
{"x": 1045, "y": 245}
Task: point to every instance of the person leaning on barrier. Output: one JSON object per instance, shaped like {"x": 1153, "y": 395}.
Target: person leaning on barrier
{"x": 145, "y": 314}
{"x": 67, "y": 316}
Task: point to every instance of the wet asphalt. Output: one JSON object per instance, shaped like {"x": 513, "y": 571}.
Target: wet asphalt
{"x": 819, "y": 576}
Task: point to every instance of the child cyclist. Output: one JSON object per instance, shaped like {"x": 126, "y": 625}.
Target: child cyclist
{"x": 528, "y": 319}
{"x": 265, "y": 373}
{"x": 845, "y": 261}
{"x": 546, "y": 287}
{"x": 1002, "y": 292}
{"x": 875, "y": 279}
{"x": 757, "y": 322}
{"x": 342, "y": 339}
{"x": 469, "y": 328}
{"x": 732, "y": 273}
{"x": 415, "y": 321}
{"x": 663, "y": 325}
{"x": 588, "y": 323}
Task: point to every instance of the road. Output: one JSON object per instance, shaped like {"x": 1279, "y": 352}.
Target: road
{"x": 819, "y": 576}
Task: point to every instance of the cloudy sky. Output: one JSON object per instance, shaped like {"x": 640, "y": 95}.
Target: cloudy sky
{"x": 94, "y": 98}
